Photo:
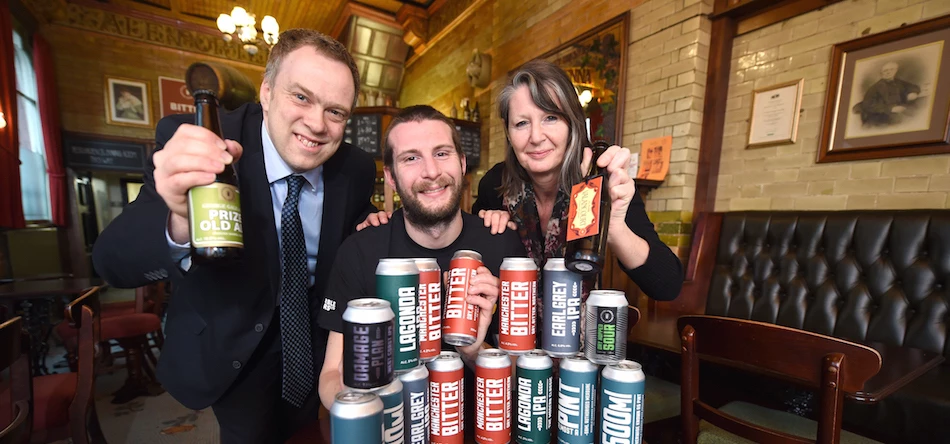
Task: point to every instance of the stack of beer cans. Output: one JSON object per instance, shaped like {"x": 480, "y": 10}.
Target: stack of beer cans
{"x": 402, "y": 388}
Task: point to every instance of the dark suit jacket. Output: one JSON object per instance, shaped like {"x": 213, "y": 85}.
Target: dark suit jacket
{"x": 218, "y": 314}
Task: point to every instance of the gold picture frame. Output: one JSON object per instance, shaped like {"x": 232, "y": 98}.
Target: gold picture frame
{"x": 128, "y": 102}
{"x": 776, "y": 110}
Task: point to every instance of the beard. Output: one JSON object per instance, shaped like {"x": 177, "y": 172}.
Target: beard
{"x": 419, "y": 215}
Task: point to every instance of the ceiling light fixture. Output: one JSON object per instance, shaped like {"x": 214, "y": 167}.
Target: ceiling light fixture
{"x": 244, "y": 25}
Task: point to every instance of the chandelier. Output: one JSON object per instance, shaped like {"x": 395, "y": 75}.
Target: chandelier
{"x": 243, "y": 24}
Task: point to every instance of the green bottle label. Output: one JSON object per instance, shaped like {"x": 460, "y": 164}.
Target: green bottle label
{"x": 215, "y": 212}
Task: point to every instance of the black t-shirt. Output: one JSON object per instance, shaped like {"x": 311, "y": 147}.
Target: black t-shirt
{"x": 354, "y": 272}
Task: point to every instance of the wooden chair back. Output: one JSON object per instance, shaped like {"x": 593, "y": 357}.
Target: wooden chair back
{"x": 832, "y": 366}
{"x": 14, "y": 356}
{"x": 83, "y": 314}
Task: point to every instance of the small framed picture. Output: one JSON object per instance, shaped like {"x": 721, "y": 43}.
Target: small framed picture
{"x": 128, "y": 102}
{"x": 775, "y": 112}
{"x": 889, "y": 95}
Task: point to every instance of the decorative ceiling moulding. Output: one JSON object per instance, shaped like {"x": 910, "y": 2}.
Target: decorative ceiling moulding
{"x": 415, "y": 25}
{"x": 147, "y": 28}
{"x": 352, "y": 9}
{"x": 473, "y": 6}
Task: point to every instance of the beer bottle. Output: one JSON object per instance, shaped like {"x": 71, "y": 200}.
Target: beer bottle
{"x": 214, "y": 210}
{"x": 587, "y": 219}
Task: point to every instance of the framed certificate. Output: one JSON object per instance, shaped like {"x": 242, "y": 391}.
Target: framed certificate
{"x": 775, "y": 112}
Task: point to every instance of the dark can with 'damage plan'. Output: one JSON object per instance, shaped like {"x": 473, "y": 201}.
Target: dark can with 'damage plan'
{"x": 367, "y": 344}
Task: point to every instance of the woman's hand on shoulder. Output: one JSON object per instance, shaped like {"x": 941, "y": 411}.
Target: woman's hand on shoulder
{"x": 374, "y": 219}
{"x": 497, "y": 220}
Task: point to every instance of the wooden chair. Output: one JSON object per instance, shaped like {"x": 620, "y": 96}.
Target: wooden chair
{"x": 14, "y": 356}
{"x": 830, "y": 365}
{"x": 63, "y": 403}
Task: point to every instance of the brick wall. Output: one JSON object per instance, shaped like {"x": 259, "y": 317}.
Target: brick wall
{"x": 786, "y": 177}
{"x": 668, "y": 45}
{"x": 84, "y": 58}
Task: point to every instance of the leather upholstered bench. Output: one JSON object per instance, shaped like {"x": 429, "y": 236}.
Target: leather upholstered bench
{"x": 866, "y": 276}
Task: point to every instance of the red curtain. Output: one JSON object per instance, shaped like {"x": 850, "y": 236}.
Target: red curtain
{"x": 11, "y": 204}
{"x": 49, "y": 115}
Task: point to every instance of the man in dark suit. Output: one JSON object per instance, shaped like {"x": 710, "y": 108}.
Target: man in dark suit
{"x": 242, "y": 336}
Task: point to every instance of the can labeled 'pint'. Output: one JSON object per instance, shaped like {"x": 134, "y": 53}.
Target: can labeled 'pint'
{"x": 606, "y": 329}
{"x": 534, "y": 380}
{"x": 367, "y": 344}
{"x": 430, "y": 309}
{"x": 561, "y": 309}
{"x": 447, "y": 399}
{"x": 517, "y": 304}
{"x": 621, "y": 403}
{"x": 356, "y": 417}
{"x": 460, "y": 322}
{"x": 394, "y": 421}
{"x": 577, "y": 399}
{"x": 397, "y": 281}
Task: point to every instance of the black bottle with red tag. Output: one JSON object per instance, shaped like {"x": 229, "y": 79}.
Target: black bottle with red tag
{"x": 587, "y": 219}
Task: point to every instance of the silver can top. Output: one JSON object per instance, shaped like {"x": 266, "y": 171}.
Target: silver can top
{"x": 396, "y": 267}
{"x": 416, "y": 373}
{"x": 555, "y": 264}
{"x": 471, "y": 254}
{"x": 368, "y": 311}
{"x": 447, "y": 361}
{"x": 427, "y": 264}
{"x": 492, "y": 358}
{"x": 518, "y": 264}
{"x": 389, "y": 389}
{"x": 350, "y": 404}
{"x": 607, "y": 298}
{"x": 578, "y": 363}
{"x": 624, "y": 371}
{"x": 535, "y": 360}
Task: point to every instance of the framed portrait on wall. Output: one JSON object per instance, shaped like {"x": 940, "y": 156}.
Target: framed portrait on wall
{"x": 889, "y": 95}
{"x": 128, "y": 102}
{"x": 596, "y": 63}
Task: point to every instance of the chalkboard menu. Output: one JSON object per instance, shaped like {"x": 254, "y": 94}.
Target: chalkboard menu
{"x": 471, "y": 138}
{"x": 102, "y": 154}
{"x": 364, "y": 131}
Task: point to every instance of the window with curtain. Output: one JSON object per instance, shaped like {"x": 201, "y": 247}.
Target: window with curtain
{"x": 34, "y": 180}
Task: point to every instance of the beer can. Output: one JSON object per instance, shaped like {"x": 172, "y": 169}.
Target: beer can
{"x": 356, "y": 417}
{"x": 606, "y": 329}
{"x": 535, "y": 387}
{"x": 415, "y": 399}
{"x": 517, "y": 305}
{"x": 430, "y": 309}
{"x": 394, "y": 423}
{"x": 561, "y": 311}
{"x": 577, "y": 398}
{"x": 397, "y": 281}
{"x": 621, "y": 403}
{"x": 460, "y": 325}
{"x": 447, "y": 399}
{"x": 367, "y": 344}
{"x": 492, "y": 397}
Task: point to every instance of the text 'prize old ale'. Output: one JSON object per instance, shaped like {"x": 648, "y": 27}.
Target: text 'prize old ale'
{"x": 214, "y": 210}
{"x": 492, "y": 397}
{"x": 534, "y": 390}
{"x": 606, "y": 327}
{"x": 447, "y": 399}
{"x": 397, "y": 281}
{"x": 460, "y": 321}
{"x": 587, "y": 219}
{"x": 621, "y": 403}
{"x": 517, "y": 304}
{"x": 356, "y": 417}
{"x": 430, "y": 309}
{"x": 415, "y": 399}
{"x": 367, "y": 344}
